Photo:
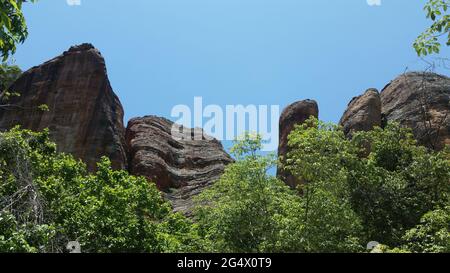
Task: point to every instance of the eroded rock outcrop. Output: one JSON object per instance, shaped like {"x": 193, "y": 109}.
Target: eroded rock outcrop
{"x": 296, "y": 113}
{"x": 420, "y": 101}
{"x": 180, "y": 168}
{"x": 363, "y": 113}
{"x": 85, "y": 117}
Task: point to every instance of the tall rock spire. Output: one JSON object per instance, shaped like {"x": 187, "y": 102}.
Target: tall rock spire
{"x": 85, "y": 117}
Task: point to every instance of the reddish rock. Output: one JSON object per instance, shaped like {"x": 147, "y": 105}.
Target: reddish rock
{"x": 294, "y": 114}
{"x": 180, "y": 168}
{"x": 420, "y": 101}
{"x": 363, "y": 113}
{"x": 85, "y": 117}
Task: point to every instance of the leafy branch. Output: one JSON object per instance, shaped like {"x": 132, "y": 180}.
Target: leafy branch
{"x": 13, "y": 28}
{"x": 429, "y": 41}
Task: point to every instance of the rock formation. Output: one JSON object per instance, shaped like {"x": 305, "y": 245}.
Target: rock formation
{"x": 180, "y": 168}
{"x": 85, "y": 117}
{"x": 416, "y": 100}
{"x": 420, "y": 101}
{"x": 294, "y": 114}
{"x": 363, "y": 113}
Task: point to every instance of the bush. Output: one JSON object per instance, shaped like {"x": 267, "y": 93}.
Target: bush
{"x": 48, "y": 199}
{"x": 432, "y": 235}
{"x": 382, "y": 176}
{"x": 248, "y": 210}
{"x": 377, "y": 186}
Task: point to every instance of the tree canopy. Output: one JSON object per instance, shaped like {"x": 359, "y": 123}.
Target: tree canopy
{"x": 378, "y": 186}
{"x": 48, "y": 199}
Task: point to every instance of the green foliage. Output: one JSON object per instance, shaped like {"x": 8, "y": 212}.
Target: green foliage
{"x": 48, "y": 199}
{"x": 432, "y": 235}
{"x": 177, "y": 234}
{"x": 112, "y": 212}
{"x": 44, "y": 108}
{"x": 22, "y": 224}
{"x": 381, "y": 176}
{"x": 16, "y": 237}
{"x": 248, "y": 210}
{"x": 240, "y": 211}
{"x": 318, "y": 155}
{"x": 397, "y": 182}
{"x": 8, "y": 74}
{"x": 428, "y": 42}
{"x": 377, "y": 186}
{"x": 13, "y": 28}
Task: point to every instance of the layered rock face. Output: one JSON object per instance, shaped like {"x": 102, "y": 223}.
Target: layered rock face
{"x": 420, "y": 101}
{"x": 86, "y": 120}
{"x": 85, "y": 117}
{"x": 180, "y": 168}
{"x": 417, "y": 100}
{"x": 363, "y": 113}
{"x": 296, "y": 113}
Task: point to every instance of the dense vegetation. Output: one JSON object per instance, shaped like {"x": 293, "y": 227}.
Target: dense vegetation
{"x": 48, "y": 199}
{"x": 377, "y": 186}
{"x": 381, "y": 179}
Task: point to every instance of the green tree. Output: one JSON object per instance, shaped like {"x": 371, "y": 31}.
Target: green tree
{"x": 237, "y": 212}
{"x": 429, "y": 41}
{"x": 13, "y": 28}
{"x": 432, "y": 235}
{"x": 397, "y": 182}
{"x": 381, "y": 176}
{"x": 248, "y": 210}
{"x": 8, "y": 74}
{"x": 377, "y": 186}
{"x": 318, "y": 155}
{"x": 48, "y": 199}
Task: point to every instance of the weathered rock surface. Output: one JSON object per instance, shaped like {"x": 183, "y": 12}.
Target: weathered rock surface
{"x": 180, "y": 168}
{"x": 363, "y": 113}
{"x": 420, "y": 101}
{"x": 296, "y": 113}
{"x": 85, "y": 117}
{"x": 86, "y": 120}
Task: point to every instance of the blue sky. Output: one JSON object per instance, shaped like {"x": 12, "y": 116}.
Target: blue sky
{"x": 160, "y": 53}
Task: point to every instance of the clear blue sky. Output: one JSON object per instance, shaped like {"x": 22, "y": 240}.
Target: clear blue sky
{"x": 160, "y": 53}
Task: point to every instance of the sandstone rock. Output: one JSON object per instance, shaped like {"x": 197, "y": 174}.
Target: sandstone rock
{"x": 363, "y": 113}
{"x": 420, "y": 101}
{"x": 180, "y": 168}
{"x": 294, "y": 114}
{"x": 85, "y": 117}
